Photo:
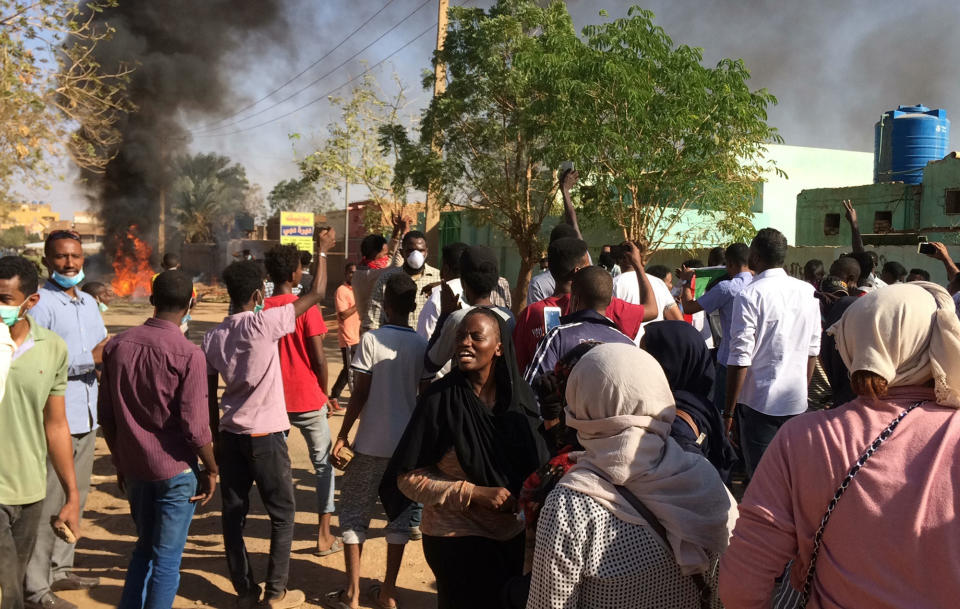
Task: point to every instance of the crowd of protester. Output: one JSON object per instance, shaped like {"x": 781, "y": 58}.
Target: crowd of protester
{"x": 585, "y": 450}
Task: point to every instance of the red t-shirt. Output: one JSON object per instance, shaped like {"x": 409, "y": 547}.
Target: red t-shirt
{"x": 301, "y": 389}
{"x": 529, "y": 329}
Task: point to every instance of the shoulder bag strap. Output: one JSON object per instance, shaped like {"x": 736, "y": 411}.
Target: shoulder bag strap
{"x": 818, "y": 539}
{"x": 699, "y": 580}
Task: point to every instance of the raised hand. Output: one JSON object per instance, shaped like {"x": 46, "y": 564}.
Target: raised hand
{"x": 851, "y": 213}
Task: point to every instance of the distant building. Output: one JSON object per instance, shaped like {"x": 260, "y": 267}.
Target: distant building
{"x": 87, "y": 225}
{"x": 891, "y": 213}
{"x": 34, "y": 217}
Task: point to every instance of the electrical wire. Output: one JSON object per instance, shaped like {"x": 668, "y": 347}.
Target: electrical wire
{"x": 322, "y": 97}
{"x": 212, "y": 125}
{"x": 206, "y": 131}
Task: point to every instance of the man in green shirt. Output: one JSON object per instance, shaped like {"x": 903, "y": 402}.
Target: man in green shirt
{"x": 33, "y": 423}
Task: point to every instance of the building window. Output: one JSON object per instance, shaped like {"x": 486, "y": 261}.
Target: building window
{"x": 952, "y": 201}
{"x": 831, "y": 224}
{"x": 882, "y": 221}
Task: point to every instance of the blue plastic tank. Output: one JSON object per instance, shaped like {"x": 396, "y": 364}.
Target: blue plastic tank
{"x": 906, "y": 139}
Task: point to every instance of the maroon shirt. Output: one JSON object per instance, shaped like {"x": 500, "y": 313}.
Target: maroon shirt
{"x": 153, "y": 401}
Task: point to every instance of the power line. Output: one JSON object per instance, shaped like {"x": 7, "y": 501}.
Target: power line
{"x": 304, "y": 71}
{"x": 205, "y": 131}
{"x": 325, "y": 95}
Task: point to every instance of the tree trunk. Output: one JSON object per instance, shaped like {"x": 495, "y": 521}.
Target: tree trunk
{"x": 527, "y": 261}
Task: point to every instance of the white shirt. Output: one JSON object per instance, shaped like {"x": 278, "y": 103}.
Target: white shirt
{"x": 430, "y": 313}
{"x": 775, "y": 328}
{"x": 393, "y": 356}
{"x": 625, "y": 287}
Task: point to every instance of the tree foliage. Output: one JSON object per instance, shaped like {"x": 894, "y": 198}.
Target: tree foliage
{"x": 493, "y": 122}
{"x": 667, "y": 143}
{"x": 56, "y": 100}
{"x": 296, "y": 195}
{"x": 352, "y": 152}
{"x": 17, "y": 237}
{"x": 207, "y": 194}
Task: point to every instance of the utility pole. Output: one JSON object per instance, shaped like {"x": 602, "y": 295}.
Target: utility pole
{"x": 432, "y": 209}
{"x": 346, "y": 220}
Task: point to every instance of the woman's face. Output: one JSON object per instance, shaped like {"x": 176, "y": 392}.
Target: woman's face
{"x": 478, "y": 342}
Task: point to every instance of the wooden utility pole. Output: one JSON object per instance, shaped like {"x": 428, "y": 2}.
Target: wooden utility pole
{"x": 432, "y": 209}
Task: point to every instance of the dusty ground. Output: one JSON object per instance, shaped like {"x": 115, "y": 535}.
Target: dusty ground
{"x": 109, "y": 532}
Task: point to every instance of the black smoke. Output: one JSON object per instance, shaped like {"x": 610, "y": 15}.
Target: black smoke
{"x": 186, "y": 55}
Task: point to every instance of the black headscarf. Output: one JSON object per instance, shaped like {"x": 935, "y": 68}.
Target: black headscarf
{"x": 685, "y": 359}
{"x": 496, "y": 447}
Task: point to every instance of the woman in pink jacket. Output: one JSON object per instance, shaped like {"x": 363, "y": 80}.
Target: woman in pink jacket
{"x": 863, "y": 499}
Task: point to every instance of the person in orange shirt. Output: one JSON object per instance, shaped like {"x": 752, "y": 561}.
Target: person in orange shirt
{"x": 348, "y": 334}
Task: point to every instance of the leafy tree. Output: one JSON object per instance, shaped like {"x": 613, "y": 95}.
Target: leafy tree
{"x": 207, "y": 194}
{"x": 296, "y": 195}
{"x": 17, "y": 237}
{"x": 51, "y": 84}
{"x": 494, "y": 122}
{"x": 352, "y": 152}
{"x": 667, "y": 143}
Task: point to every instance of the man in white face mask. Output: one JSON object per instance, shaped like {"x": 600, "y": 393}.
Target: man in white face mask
{"x": 413, "y": 248}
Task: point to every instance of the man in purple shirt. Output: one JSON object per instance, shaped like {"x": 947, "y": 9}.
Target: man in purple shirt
{"x": 153, "y": 412}
{"x": 251, "y": 443}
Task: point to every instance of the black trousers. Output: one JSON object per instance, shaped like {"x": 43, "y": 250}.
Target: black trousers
{"x": 756, "y": 433}
{"x": 346, "y": 375}
{"x": 245, "y": 460}
{"x": 471, "y": 572}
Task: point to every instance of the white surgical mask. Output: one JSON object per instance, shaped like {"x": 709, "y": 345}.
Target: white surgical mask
{"x": 416, "y": 259}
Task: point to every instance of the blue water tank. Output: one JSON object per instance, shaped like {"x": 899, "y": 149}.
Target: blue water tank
{"x": 905, "y": 140}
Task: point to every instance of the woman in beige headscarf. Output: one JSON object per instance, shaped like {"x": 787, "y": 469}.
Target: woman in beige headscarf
{"x": 594, "y": 548}
{"x": 891, "y": 537}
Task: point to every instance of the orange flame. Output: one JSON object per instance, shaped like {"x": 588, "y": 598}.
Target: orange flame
{"x": 133, "y": 275}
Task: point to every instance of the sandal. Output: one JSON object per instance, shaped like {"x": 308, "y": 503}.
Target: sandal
{"x": 336, "y": 546}
{"x": 332, "y": 600}
{"x": 374, "y": 593}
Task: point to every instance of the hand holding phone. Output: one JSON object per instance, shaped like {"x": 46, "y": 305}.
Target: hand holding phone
{"x": 551, "y": 318}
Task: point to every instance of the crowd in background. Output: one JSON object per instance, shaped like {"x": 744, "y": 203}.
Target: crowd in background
{"x": 580, "y": 451}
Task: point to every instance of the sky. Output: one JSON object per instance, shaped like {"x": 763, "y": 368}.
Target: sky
{"x": 834, "y": 65}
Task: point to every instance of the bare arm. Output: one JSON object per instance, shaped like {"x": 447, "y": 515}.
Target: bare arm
{"x": 688, "y": 303}
{"x": 318, "y": 361}
{"x": 736, "y": 376}
{"x": 208, "y": 477}
{"x": 647, "y": 298}
{"x": 60, "y": 450}
{"x": 319, "y": 288}
{"x": 673, "y": 313}
{"x": 943, "y": 255}
{"x": 854, "y": 227}
{"x": 342, "y": 315}
{"x": 567, "y": 181}
{"x": 361, "y": 392}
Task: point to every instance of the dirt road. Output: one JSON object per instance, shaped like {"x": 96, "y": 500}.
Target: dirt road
{"x": 109, "y": 533}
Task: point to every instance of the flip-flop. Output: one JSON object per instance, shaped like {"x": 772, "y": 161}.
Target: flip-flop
{"x": 374, "y": 593}
{"x": 331, "y": 600}
{"x": 336, "y": 546}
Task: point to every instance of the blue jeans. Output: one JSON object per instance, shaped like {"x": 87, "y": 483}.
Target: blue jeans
{"x": 162, "y": 512}
{"x": 316, "y": 431}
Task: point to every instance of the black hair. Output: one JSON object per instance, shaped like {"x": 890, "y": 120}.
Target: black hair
{"x": 606, "y": 260}
{"x": 414, "y": 234}
{"x": 372, "y": 245}
{"x": 483, "y": 312}
{"x": 865, "y": 260}
{"x": 281, "y": 262}
{"x": 94, "y": 288}
{"x": 845, "y": 268}
{"x": 922, "y": 273}
{"x": 658, "y": 270}
{"x": 593, "y": 287}
{"x": 478, "y": 270}
{"x": 895, "y": 269}
{"x": 563, "y": 231}
{"x": 563, "y": 256}
{"x": 770, "y": 246}
{"x": 401, "y": 292}
{"x": 693, "y": 263}
{"x": 305, "y": 258}
{"x": 737, "y": 254}
{"x": 812, "y": 267}
{"x": 58, "y": 235}
{"x": 717, "y": 257}
{"x": 346, "y": 267}
{"x": 23, "y": 269}
{"x": 450, "y": 254}
{"x": 243, "y": 278}
{"x": 172, "y": 291}
{"x": 170, "y": 260}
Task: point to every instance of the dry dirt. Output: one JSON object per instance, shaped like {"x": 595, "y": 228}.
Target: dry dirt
{"x": 109, "y": 534}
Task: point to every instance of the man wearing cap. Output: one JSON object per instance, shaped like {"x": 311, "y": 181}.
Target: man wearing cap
{"x": 74, "y": 316}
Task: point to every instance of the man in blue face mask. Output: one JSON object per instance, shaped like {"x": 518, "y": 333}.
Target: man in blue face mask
{"x": 34, "y": 436}
{"x": 75, "y": 317}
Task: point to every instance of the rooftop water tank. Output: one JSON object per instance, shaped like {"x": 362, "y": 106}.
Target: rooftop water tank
{"x": 905, "y": 140}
